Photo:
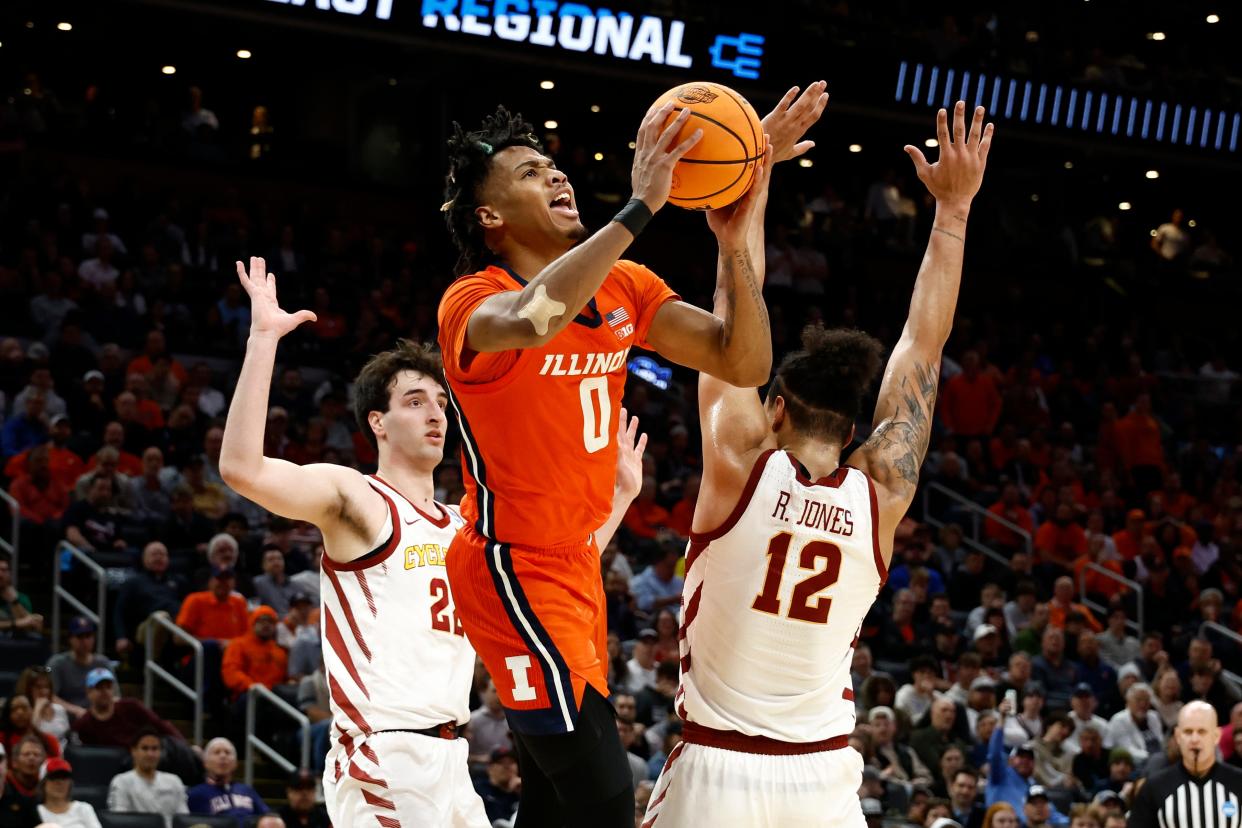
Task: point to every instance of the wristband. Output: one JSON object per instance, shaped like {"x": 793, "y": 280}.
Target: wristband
{"x": 634, "y": 216}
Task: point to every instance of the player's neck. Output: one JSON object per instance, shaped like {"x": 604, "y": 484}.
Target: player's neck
{"x": 819, "y": 458}
{"x": 416, "y": 486}
{"x": 529, "y": 262}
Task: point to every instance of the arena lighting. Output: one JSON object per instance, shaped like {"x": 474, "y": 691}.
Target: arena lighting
{"x": 244, "y": 54}
{"x": 169, "y": 70}
{"x": 805, "y": 162}
{"x": 392, "y": 81}
{"x": 931, "y": 143}
{"x": 855, "y": 147}
{"x": 1032, "y": 37}
{"x": 547, "y": 84}
{"x": 1153, "y": 234}
{"x": 599, "y": 156}
{"x": 595, "y": 107}
{"x": 1125, "y": 205}
{"x": 549, "y": 124}
{"x": 1034, "y": 197}
{"x": 1068, "y": 108}
{"x": 1192, "y": 223}
{"x": 1213, "y": 18}
{"x": 1069, "y": 165}
{"x": 65, "y": 27}
{"x": 632, "y": 145}
{"x": 1155, "y": 35}
{"x": 1153, "y": 174}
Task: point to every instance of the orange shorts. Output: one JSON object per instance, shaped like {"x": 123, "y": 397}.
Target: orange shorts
{"x": 536, "y": 616}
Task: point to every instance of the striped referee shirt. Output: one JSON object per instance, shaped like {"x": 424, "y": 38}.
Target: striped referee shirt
{"x": 1172, "y": 798}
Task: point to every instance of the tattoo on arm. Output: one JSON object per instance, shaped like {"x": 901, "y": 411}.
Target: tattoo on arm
{"x": 898, "y": 445}
{"x": 948, "y": 233}
{"x": 730, "y": 289}
{"x": 731, "y": 265}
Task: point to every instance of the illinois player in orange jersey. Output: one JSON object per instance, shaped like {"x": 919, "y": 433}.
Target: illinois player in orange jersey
{"x": 535, "y": 334}
{"x": 789, "y": 548}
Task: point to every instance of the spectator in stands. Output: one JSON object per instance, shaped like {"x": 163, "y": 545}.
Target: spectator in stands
{"x": 641, "y": 668}
{"x": 654, "y": 702}
{"x": 223, "y": 552}
{"x": 113, "y": 721}
{"x": 1117, "y": 646}
{"x": 219, "y": 795}
{"x": 1137, "y": 728}
{"x": 1010, "y": 773}
{"x": 1020, "y": 610}
{"x": 1053, "y": 670}
{"x": 145, "y": 789}
{"x": 970, "y": 404}
{"x": 896, "y": 761}
{"x": 1038, "y": 812}
{"x": 1053, "y": 763}
{"x": 1120, "y": 772}
{"x": 150, "y": 494}
{"x": 916, "y": 698}
{"x": 302, "y": 811}
{"x": 298, "y": 633}
{"x": 70, "y": 669}
{"x": 1063, "y": 605}
{"x": 153, "y": 588}
{"x": 489, "y": 729}
{"x": 931, "y": 741}
{"x": 274, "y": 588}
{"x": 27, "y": 427}
{"x": 969, "y": 666}
{"x": 28, "y": 754}
{"x": 186, "y": 529}
{"x": 619, "y": 603}
{"x": 256, "y": 658}
{"x": 1152, "y": 657}
{"x": 1206, "y": 686}
{"x": 951, "y": 761}
{"x": 1090, "y": 765}
{"x": 1011, "y": 509}
{"x": 16, "y": 810}
{"x": 307, "y": 581}
{"x": 1167, "y": 697}
{"x": 58, "y": 805}
{"x": 217, "y": 614}
{"x": 1082, "y": 715}
{"x": 17, "y": 616}
{"x": 92, "y": 524}
{"x": 1060, "y": 541}
{"x": 1027, "y": 725}
{"x": 659, "y": 585}
{"x": 670, "y": 740}
{"x": 17, "y": 722}
{"x": 49, "y": 716}
{"x": 987, "y": 644}
{"x": 1001, "y": 815}
{"x": 967, "y": 810}
{"x": 42, "y": 498}
{"x": 646, "y": 517}
{"x": 501, "y": 788}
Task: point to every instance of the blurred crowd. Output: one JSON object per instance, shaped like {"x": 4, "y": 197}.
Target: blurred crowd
{"x": 1084, "y": 479}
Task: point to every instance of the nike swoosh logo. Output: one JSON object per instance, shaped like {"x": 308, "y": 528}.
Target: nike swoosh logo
{"x": 415, "y": 520}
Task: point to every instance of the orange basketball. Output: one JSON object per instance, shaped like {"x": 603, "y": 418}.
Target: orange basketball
{"x": 721, "y": 167}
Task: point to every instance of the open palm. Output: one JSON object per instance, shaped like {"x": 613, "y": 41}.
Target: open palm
{"x": 630, "y": 448}
{"x": 267, "y": 318}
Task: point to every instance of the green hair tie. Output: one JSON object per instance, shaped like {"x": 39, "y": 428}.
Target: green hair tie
{"x": 486, "y": 147}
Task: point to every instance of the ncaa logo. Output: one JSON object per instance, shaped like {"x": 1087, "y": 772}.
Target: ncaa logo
{"x": 1229, "y": 809}
{"x": 696, "y": 94}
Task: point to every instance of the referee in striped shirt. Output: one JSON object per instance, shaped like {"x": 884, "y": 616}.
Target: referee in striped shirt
{"x": 1198, "y": 793}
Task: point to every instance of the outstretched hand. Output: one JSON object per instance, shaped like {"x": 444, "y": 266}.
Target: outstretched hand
{"x": 630, "y": 448}
{"x": 958, "y": 172}
{"x": 266, "y": 316}
{"x": 790, "y": 120}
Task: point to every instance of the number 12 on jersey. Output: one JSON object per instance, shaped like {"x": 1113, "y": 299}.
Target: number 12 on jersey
{"x": 801, "y": 606}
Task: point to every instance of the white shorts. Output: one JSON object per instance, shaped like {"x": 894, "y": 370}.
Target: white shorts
{"x": 703, "y": 785}
{"x": 402, "y": 780}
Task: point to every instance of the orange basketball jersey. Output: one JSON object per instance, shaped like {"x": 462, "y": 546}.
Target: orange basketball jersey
{"x": 539, "y": 445}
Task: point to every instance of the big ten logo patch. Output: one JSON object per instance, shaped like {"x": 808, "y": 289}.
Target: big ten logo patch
{"x": 425, "y": 554}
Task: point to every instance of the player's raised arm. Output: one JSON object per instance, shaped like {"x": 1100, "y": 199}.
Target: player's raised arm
{"x": 630, "y": 448}
{"x": 903, "y": 415}
{"x": 298, "y": 492}
{"x": 549, "y": 302}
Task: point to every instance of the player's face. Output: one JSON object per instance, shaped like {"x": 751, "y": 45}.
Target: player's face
{"x": 416, "y": 421}
{"x": 530, "y": 200}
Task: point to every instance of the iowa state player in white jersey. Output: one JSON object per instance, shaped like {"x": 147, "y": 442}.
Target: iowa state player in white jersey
{"x": 789, "y": 547}
{"x": 399, "y": 668}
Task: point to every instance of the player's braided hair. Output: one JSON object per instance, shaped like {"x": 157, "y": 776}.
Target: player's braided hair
{"x": 470, "y": 160}
{"x": 374, "y": 382}
{"x": 825, "y": 383}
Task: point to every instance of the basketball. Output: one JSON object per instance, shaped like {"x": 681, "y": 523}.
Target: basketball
{"x": 720, "y": 168}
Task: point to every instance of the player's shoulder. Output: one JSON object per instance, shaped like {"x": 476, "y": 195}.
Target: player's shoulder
{"x": 633, "y": 272}
{"x": 489, "y": 278}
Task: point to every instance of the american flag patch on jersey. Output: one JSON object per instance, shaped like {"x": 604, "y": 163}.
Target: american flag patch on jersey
{"x": 618, "y": 316}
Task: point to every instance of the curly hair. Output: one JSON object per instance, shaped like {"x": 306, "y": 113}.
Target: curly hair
{"x": 824, "y": 384}
{"x": 470, "y": 161}
{"x": 371, "y": 388}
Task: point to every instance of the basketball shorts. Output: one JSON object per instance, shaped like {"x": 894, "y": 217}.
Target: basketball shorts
{"x": 395, "y": 779}
{"x": 536, "y": 617}
{"x": 702, "y": 784}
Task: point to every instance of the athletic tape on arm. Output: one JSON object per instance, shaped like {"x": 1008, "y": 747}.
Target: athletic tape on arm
{"x": 540, "y": 310}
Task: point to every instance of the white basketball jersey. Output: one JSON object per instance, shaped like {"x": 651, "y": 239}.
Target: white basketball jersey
{"x": 394, "y": 652}
{"x": 773, "y": 603}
